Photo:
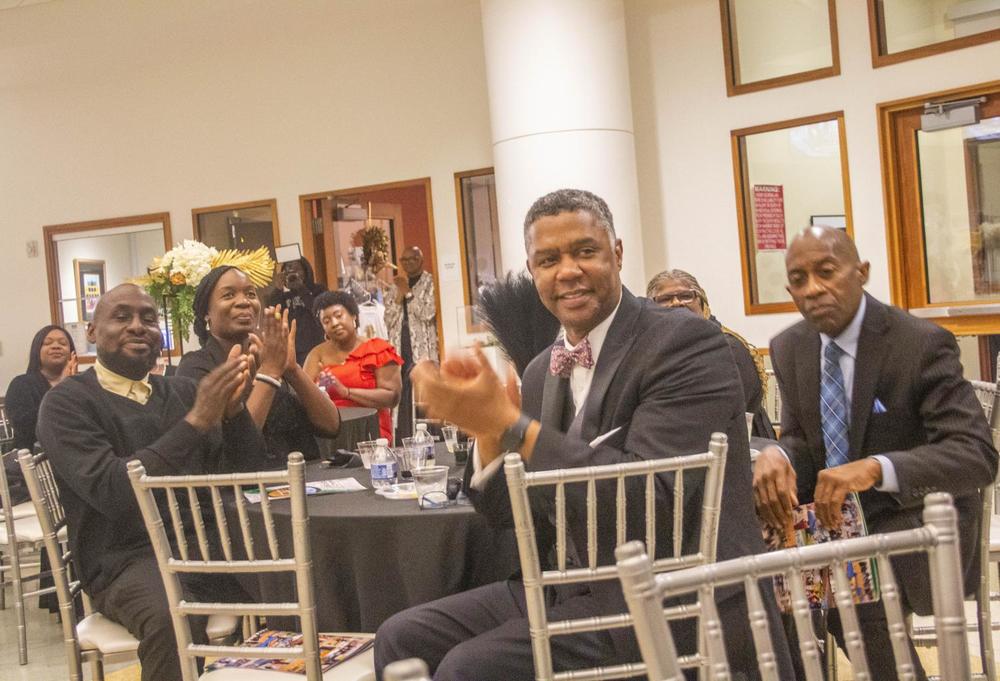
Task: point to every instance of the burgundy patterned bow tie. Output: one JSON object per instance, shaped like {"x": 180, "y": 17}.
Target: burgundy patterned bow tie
{"x": 564, "y": 360}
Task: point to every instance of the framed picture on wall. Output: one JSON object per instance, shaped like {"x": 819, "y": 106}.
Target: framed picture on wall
{"x": 90, "y": 285}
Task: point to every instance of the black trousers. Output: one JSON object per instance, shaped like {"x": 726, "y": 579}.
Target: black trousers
{"x": 482, "y": 635}
{"x": 137, "y": 600}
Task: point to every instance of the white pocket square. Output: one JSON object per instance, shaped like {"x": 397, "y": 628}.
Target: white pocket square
{"x": 878, "y": 407}
{"x": 601, "y": 438}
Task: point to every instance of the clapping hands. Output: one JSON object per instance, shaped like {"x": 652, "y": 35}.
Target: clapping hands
{"x": 467, "y": 391}
{"x": 220, "y": 393}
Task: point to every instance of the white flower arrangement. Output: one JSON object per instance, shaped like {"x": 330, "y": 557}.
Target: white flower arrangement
{"x": 187, "y": 263}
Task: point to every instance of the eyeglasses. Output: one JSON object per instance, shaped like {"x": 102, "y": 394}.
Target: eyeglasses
{"x": 433, "y": 500}
{"x": 682, "y": 297}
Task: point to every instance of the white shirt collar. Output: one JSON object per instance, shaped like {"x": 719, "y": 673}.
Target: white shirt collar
{"x": 848, "y": 338}
{"x": 596, "y": 335}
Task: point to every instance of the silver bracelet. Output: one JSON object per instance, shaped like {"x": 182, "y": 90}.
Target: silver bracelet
{"x": 270, "y": 380}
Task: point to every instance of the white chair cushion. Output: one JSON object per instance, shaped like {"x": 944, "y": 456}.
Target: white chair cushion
{"x": 994, "y": 535}
{"x": 97, "y": 632}
{"x": 358, "y": 668}
{"x": 28, "y": 530}
{"x": 221, "y": 626}
{"x": 25, "y": 510}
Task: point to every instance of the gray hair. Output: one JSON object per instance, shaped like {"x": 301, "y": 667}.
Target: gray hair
{"x": 681, "y": 277}
{"x": 570, "y": 201}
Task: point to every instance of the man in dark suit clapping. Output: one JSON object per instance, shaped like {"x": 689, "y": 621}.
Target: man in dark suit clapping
{"x": 874, "y": 402}
{"x": 625, "y": 381}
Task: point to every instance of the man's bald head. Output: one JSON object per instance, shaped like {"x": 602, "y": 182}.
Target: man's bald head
{"x": 836, "y": 239}
{"x": 126, "y": 331}
{"x": 826, "y": 278}
{"x": 107, "y": 301}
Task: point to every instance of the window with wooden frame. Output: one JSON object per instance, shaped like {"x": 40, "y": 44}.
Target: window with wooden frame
{"x": 244, "y": 226}
{"x": 909, "y": 29}
{"x": 478, "y": 235}
{"x": 789, "y": 175}
{"x": 86, "y": 259}
{"x": 941, "y": 177}
{"x": 771, "y": 43}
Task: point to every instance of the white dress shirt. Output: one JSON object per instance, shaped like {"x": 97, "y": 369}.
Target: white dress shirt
{"x": 848, "y": 342}
{"x": 579, "y": 385}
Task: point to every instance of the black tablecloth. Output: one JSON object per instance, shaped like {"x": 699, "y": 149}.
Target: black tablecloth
{"x": 373, "y": 557}
{"x": 357, "y": 424}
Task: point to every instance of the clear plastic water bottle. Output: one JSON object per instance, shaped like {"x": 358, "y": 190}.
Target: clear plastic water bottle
{"x": 424, "y": 440}
{"x": 384, "y": 466}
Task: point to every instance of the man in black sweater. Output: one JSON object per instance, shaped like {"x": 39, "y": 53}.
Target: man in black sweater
{"x": 92, "y": 424}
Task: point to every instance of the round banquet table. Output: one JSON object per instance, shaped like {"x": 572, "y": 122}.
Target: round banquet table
{"x": 373, "y": 557}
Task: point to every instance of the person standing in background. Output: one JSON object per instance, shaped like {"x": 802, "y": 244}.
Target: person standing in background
{"x": 296, "y": 293}
{"x": 411, "y": 316}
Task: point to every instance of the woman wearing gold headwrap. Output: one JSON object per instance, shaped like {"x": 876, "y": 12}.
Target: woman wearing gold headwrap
{"x": 676, "y": 288}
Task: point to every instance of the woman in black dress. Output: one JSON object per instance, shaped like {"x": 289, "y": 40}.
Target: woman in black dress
{"x": 52, "y": 358}
{"x": 674, "y": 288}
{"x": 284, "y": 403}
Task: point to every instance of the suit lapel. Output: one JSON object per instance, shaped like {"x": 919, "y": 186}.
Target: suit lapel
{"x": 616, "y": 345}
{"x": 807, "y": 378}
{"x": 867, "y": 365}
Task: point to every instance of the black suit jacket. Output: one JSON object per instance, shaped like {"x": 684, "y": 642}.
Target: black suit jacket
{"x": 666, "y": 379}
{"x": 932, "y": 429}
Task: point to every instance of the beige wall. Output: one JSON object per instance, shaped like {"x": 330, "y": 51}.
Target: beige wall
{"x": 682, "y": 124}
{"x": 117, "y": 108}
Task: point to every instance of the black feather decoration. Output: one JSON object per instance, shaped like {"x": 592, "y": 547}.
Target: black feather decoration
{"x": 514, "y": 314}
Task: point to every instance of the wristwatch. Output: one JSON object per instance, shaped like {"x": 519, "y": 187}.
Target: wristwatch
{"x": 513, "y": 437}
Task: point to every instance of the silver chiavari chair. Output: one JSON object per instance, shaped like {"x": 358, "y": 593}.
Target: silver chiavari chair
{"x": 21, "y": 537}
{"x": 243, "y": 558}
{"x": 95, "y": 638}
{"x": 412, "y": 669}
{"x": 938, "y": 538}
{"x": 988, "y": 395}
{"x": 772, "y": 399}
{"x": 711, "y": 463}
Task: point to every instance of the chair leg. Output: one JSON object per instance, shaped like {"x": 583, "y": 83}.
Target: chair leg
{"x": 22, "y": 632}
{"x": 3, "y": 584}
{"x": 985, "y": 615}
{"x": 97, "y": 669}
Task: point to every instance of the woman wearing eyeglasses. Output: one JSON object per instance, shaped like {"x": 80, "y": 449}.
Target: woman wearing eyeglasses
{"x": 677, "y": 288}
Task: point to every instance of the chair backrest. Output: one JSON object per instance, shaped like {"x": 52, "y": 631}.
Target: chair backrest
{"x": 987, "y": 394}
{"x": 772, "y": 398}
{"x": 6, "y": 429}
{"x": 202, "y": 557}
{"x": 645, "y": 592}
{"x": 41, "y": 483}
{"x": 6, "y": 505}
{"x": 712, "y": 463}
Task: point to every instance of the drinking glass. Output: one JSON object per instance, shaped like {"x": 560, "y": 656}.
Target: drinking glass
{"x": 366, "y": 449}
{"x": 450, "y": 437}
{"x": 431, "y": 479}
{"x": 416, "y": 451}
{"x": 461, "y": 452}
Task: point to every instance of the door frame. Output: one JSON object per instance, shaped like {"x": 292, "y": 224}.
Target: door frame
{"x": 309, "y": 250}
{"x": 901, "y": 195}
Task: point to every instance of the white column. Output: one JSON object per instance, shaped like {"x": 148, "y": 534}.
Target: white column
{"x": 561, "y": 113}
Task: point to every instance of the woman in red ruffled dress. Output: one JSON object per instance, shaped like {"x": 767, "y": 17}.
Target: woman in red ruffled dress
{"x": 354, "y": 372}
